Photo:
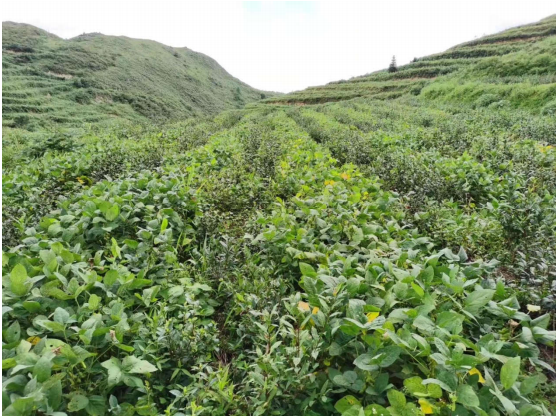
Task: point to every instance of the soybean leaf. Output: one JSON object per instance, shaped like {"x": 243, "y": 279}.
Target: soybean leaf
{"x": 510, "y": 372}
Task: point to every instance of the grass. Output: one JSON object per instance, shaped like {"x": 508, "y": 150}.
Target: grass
{"x": 92, "y": 78}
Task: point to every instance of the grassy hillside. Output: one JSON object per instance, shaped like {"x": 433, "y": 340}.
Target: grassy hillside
{"x": 92, "y": 78}
{"x": 513, "y": 68}
{"x": 385, "y": 255}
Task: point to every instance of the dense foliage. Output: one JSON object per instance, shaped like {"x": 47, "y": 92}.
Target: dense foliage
{"x": 362, "y": 257}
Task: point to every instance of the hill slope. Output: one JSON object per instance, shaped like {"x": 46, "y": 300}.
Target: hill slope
{"x": 94, "y": 77}
{"x": 516, "y": 67}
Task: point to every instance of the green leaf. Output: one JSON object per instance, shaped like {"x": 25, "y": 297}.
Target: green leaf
{"x": 43, "y": 368}
{"x": 434, "y": 390}
{"x": 424, "y": 324}
{"x": 53, "y": 326}
{"x": 428, "y": 274}
{"x": 131, "y": 364}
{"x": 354, "y": 198}
{"x": 384, "y": 357}
{"x": 77, "y": 403}
{"x": 396, "y": 399}
{"x": 126, "y": 348}
{"x": 528, "y": 385}
{"x": 13, "y": 333}
{"x": 110, "y": 277}
{"x": 365, "y": 362}
{"x": 8, "y": 363}
{"x": 346, "y": 403}
{"x": 96, "y": 406}
{"x": 542, "y": 321}
{"x": 54, "y": 393}
{"x": 23, "y": 406}
{"x": 335, "y": 349}
{"x": 94, "y": 302}
{"x": 477, "y": 299}
{"x": 447, "y": 381}
{"x": 418, "y": 289}
{"x": 467, "y": 396}
{"x": 307, "y": 270}
{"x": 376, "y": 410}
{"x": 116, "y": 250}
{"x": 450, "y": 321}
{"x": 61, "y": 316}
{"x": 507, "y": 403}
{"x": 164, "y": 225}
{"x": 114, "y": 371}
{"x": 449, "y": 378}
{"x": 388, "y": 355}
{"x": 113, "y": 212}
{"x": 415, "y": 386}
{"x": 32, "y": 306}
{"x": 18, "y": 278}
{"x": 510, "y": 372}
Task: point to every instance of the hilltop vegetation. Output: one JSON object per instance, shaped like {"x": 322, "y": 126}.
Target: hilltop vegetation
{"x": 390, "y": 254}
{"x": 48, "y": 81}
{"x": 514, "y": 68}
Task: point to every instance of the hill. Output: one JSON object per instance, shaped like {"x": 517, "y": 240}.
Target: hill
{"x": 92, "y": 78}
{"x": 388, "y": 254}
{"x": 513, "y": 68}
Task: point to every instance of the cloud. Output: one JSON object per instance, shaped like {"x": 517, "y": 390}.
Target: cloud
{"x": 285, "y": 46}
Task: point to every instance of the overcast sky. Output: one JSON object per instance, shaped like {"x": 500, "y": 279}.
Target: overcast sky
{"x": 286, "y": 46}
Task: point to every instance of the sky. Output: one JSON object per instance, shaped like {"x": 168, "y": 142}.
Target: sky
{"x": 287, "y": 46}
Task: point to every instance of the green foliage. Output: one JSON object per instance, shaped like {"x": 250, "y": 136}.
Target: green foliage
{"x": 393, "y": 66}
{"x": 365, "y": 257}
{"x": 292, "y": 283}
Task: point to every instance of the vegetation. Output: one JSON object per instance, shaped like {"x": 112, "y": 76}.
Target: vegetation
{"x": 48, "y": 81}
{"x": 513, "y": 68}
{"x": 389, "y": 254}
{"x": 393, "y": 66}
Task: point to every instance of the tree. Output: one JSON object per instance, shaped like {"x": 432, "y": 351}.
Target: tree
{"x": 237, "y": 96}
{"x": 393, "y": 66}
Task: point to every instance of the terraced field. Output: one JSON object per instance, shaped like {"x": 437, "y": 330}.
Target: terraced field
{"x": 514, "y": 68}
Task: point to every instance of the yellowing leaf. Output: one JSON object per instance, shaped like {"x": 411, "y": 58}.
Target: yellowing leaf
{"x": 426, "y": 408}
{"x": 303, "y": 306}
{"x": 345, "y": 176}
{"x": 330, "y": 182}
{"x": 371, "y": 316}
{"x": 33, "y": 340}
{"x": 315, "y": 310}
{"x": 475, "y": 371}
{"x": 533, "y": 308}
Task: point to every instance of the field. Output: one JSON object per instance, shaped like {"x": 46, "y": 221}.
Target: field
{"x": 379, "y": 246}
